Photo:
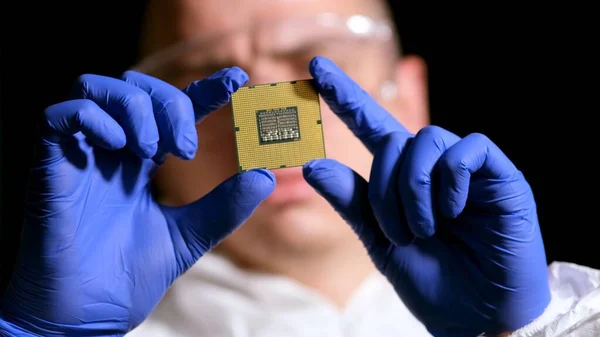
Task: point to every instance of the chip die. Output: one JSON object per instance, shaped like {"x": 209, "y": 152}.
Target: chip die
{"x": 277, "y": 125}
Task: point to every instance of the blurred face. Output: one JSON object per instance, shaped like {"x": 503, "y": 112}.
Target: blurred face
{"x": 272, "y": 41}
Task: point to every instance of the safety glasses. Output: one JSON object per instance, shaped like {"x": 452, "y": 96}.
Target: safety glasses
{"x": 358, "y": 44}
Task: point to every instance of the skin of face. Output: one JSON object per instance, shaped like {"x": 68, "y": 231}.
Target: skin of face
{"x": 294, "y": 232}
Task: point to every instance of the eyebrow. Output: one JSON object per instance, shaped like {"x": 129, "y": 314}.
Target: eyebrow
{"x": 312, "y": 44}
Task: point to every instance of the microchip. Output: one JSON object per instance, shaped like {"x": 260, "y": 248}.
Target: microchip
{"x": 277, "y": 125}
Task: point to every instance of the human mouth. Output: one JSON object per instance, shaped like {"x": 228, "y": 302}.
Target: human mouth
{"x": 291, "y": 187}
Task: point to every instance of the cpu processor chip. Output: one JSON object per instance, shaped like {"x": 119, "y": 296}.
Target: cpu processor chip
{"x": 277, "y": 125}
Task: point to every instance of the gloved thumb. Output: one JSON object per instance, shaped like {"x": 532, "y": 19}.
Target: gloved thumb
{"x": 204, "y": 223}
{"x": 347, "y": 192}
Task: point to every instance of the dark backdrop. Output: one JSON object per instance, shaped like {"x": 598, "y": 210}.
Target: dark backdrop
{"x": 485, "y": 74}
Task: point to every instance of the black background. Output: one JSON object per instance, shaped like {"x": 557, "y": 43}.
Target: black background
{"x": 487, "y": 68}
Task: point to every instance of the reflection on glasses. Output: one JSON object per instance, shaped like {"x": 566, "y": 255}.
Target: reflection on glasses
{"x": 356, "y": 43}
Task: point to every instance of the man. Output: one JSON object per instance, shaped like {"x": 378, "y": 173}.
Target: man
{"x": 103, "y": 258}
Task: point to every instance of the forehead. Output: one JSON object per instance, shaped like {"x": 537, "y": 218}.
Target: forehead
{"x": 173, "y": 20}
{"x": 206, "y": 15}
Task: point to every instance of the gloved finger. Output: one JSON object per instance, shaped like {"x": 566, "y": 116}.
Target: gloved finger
{"x": 417, "y": 178}
{"x": 82, "y": 115}
{"x": 173, "y": 112}
{"x": 355, "y": 107}
{"x": 202, "y": 224}
{"x": 383, "y": 193}
{"x": 347, "y": 192}
{"x": 129, "y": 105}
{"x": 214, "y": 91}
{"x": 475, "y": 153}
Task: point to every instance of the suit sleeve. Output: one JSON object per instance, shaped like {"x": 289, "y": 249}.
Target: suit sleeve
{"x": 575, "y": 307}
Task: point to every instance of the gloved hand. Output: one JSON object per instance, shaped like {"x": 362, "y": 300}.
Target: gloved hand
{"x": 450, "y": 222}
{"x": 98, "y": 252}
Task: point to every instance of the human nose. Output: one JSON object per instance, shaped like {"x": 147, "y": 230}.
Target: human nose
{"x": 265, "y": 69}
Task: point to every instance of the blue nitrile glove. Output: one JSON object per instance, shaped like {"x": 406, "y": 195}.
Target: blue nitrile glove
{"x": 450, "y": 222}
{"x": 98, "y": 252}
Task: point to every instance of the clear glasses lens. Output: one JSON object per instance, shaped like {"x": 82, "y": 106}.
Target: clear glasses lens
{"x": 355, "y": 43}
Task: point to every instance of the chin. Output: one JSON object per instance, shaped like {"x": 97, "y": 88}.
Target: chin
{"x": 307, "y": 228}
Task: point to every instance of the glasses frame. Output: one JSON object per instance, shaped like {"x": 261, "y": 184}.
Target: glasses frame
{"x": 357, "y": 25}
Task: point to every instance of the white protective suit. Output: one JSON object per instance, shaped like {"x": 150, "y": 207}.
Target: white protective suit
{"x": 217, "y": 299}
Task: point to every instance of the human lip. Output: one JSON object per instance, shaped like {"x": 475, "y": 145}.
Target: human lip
{"x": 286, "y": 175}
{"x": 291, "y": 186}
